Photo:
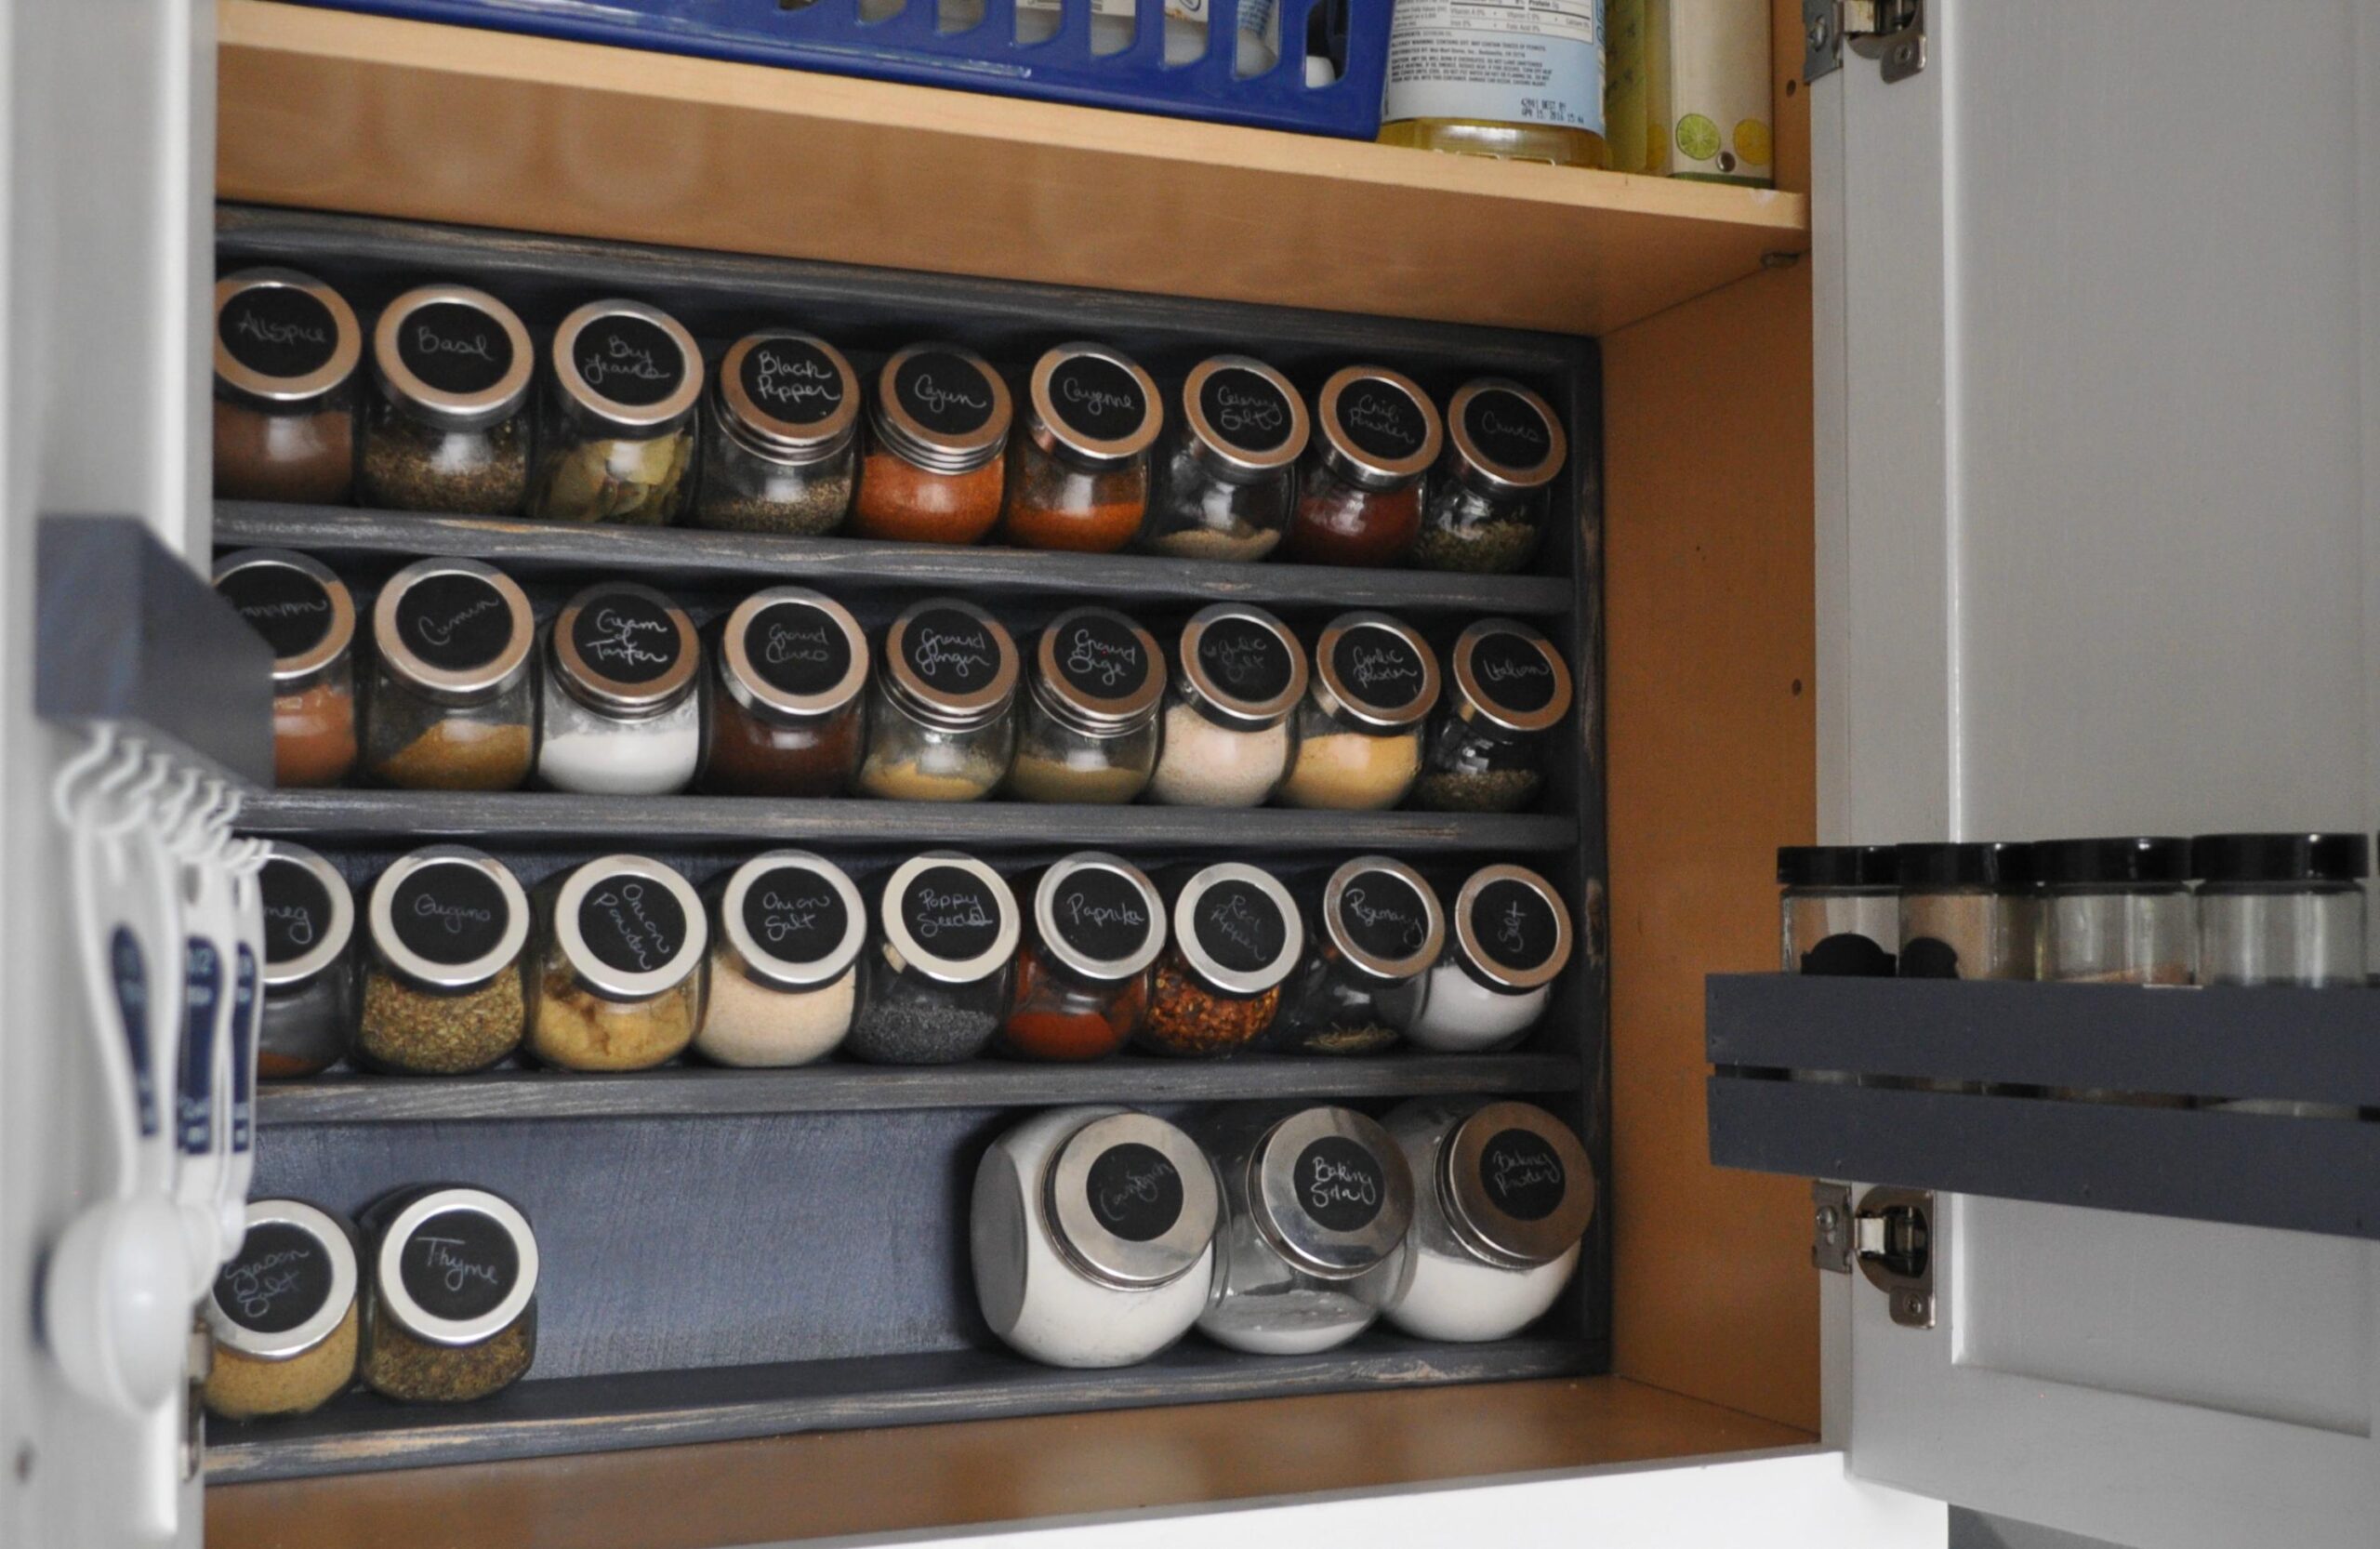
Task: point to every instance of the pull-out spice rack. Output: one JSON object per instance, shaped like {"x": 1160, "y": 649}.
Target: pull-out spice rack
{"x": 744, "y": 1252}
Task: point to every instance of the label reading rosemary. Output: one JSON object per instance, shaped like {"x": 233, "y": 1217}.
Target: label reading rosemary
{"x": 1383, "y": 916}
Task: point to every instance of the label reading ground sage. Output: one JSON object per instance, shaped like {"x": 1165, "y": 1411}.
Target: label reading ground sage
{"x": 280, "y": 1279}
{"x": 951, "y": 651}
{"x": 1522, "y": 1174}
{"x": 1383, "y": 419}
{"x": 1507, "y": 429}
{"x": 1100, "y": 655}
{"x": 449, "y": 912}
{"x": 1101, "y": 914}
{"x": 290, "y": 608}
{"x": 1383, "y": 916}
{"x": 455, "y": 348}
{"x": 1135, "y": 1191}
{"x": 631, "y": 924}
{"x": 453, "y": 622}
{"x": 1379, "y": 667}
{"x": 626, "y": 636}
{"x": 1245, "y": 409}
{"x": 627, "y": 360}
{"x": 1512, "y": 674}
{"x": 1339, "y": 1184}
{"x": 278, "y": 331}
{"x": 1098, "y": 399}
{"x": 952, "y": 913}
{"x": 793, "y": 914}
{"x": 944, "y": 391}
{"x": 1514, "y": 925}
{"x": 459, "y": 1264}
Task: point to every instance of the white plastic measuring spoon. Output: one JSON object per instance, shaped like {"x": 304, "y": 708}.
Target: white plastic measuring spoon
{"x": 203, "y": 1128}
{"x": 243, "y": 860}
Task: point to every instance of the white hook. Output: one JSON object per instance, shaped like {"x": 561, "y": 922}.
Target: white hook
{"x": 65, "y": 798}
{"x": 139, "y": 801}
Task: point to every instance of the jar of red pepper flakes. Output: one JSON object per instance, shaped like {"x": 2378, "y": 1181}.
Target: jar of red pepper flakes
{"x": 1360, "y": 499}
{"x": 1237, "y": 936}
{"x": 1078, "y": 465}
{"x": 937, "y": 432}
{"x": 1082, "y": 976}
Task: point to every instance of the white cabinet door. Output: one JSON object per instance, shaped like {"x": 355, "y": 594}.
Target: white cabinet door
{"x": 2099, "y": 552}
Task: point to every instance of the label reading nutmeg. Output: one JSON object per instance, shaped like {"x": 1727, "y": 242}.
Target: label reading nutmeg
{"x": 952, "y": 913}
{"x": 627, "y": 637}
{"x": 291, "y": 609}
{"x": 1507, "y": 429}
{"x": 1240, "y": 926}
{"x": 1383, "y": 419}
{"x": 1096, "y": 398}
{"x": 1512, "y": 672}
{"x": 631, "y": 924}
{"x": 459, "y": 1264}
{"x": 1514, "y": 925}
{"x": 794, "y": 915}
{"x": 280, "y": 1279}
{"x": 277, "y": 330}
{"x": 1100, "y": 655}
{"x": 1245, "y": 409}
{"x": 951, "y": 651}
{"x": 627, "y": 359}
{"x": 455, "y": 348}
{"x": 454, "y": 621}
{"x": 1380, "y": 666}
{"x": 1101, "y": 914}
{"x": 1384, "y": 915}
{"x": 791, "y": 380}
{"x": 1522, "y": 1174}
{"x": 798, "y": 648}
{"x": 1246, "y": 660}
{"x": 449, "y": 912}
{"x": 1339, "y": 1184}
{"x": 1135, "y": 1191}
{"x": 945, "y": 391}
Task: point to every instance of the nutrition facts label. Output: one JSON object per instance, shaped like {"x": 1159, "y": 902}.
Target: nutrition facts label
{"x": 1532, "y": 61}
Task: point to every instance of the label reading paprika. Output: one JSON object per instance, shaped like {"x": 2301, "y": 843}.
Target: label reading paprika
{"x": 1101, "y": 914}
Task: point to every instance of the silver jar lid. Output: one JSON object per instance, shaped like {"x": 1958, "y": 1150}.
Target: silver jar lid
{"x": 950, "y": 663}
{"x": 1379, "y": 429}
{"x": 629, "y": 927}
{"x": 1331, "y": 1191}
{"x": 1098, "y": 673}
{"x": 789, "y": 653}
{"x": 1243, "y": 664}
{"x": 1376, "y": 671}
{"x": 1517, "y": 1185}
{"x": 289, "y": 1287}
{"x": 1512, "y": 928}
{"x": 625, "y": 650}
{"x": 456, "y": 1267}
{"x": 1132, "y": 1201}
{"x": 1244, "y": 418}
{"x": 452, "y": 356}
{"x": 941, "y": 406}
{"x": 796, "y": 918}
{"x": 447, "y": 918}
{"x": 282, "y": 337}
{"x": 1099, "y": 916}
{"x": 456, "y": 630}
{"x": 628, "y": 367}
{"x": 1238, "y": 928}
{"x": 1506, "y": 440}
{"x": 1093, "y": 405}
{"x": 304, "y": 612}
{"x": 1508, "y": 676}
{"x": 949, "y": 917}
{"x": 790, "y": 397}
{"x": 309, "y": 915}
{"x": 1383, "y": 918}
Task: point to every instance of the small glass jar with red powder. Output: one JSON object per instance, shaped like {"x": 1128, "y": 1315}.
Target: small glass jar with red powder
{"x": 788, "y": 715}
{"x": 1082, "y": 976}
{"x": 1360, "y": 499}
{"x": 938, "y": 430}
{"x": 1078, "y": 465}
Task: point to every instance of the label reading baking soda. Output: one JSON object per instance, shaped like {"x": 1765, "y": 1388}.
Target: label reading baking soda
{"x": 1339, "y": 1184}
{"x": 1496, "y": 61}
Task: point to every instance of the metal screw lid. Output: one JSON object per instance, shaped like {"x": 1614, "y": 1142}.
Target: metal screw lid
{"x": 304, "y": 612}
{"x": 1365, "y": 661}
{"x": 1097, "y": 673}
{"x": 1247, "y": 937}
{"x": 1516, "y": 1186}
{"x": 1511, "y": 928}
{"x": 789, "y": 653}
{"x": 950, "y": 663}
{"x": 282, "y": 337}
{"x": 1504, "y": 439}
{"x": 1244, "y": 418}
{"x": 1379, "y": 429}
{"x": 629, "y": 927}
{"x": 474, "y": 1247}
{"x": 447, "y": 918}
{"x": 1242, "y": 665}
{"x": 452, "y": 356}
{"x": 1510, "y": 677}
{"x": 948, "y": 917}
{"x": 1132, "y": 1201}
{"x": 941, "y": 406}
{"x": 627, "y": 366}
{"x": 309, "y": 915}
{"x": 455, "y": 631}
{"x": 1093, "y": 405}
{"x": 787, "y": 396}
{"x": 1331, "y": 1192}
{"x": 796, "y": 918}
{"x": 288, "y": 1287}
{"x": 1383, "y": 918}
{"x": 625, "y": 650}
{"x": 1099, "y": 916}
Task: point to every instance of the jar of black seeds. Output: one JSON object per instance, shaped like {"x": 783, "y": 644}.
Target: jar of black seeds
{"x": 442, "y": 982}
{"x": 450, "y": 1296}
{"x": 938, "y": 974}
{"x": 449, "y": 428}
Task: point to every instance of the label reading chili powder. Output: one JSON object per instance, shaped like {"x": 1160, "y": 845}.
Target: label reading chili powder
{"x": 1512, "y": 674}
{"x": 290, "y": 608}
{"x": 952, "y": 913}
{"x": 280, "y": 1279}
{"x": 459, "y": 1264}
{"x": 1246, "y": 659}
{"x": 449, "y": 913}
{"x": 1383, "y": 916}
{"x": 1380, "y": 666}
{"x": 1507, "y": 429}
{"x": 455, "y": 348}
{"x": 1101, "y": 656}
{"x": 1240, "y": 926}
{"x": 1101, "y": 914}
{"x": 626, "y": 636}
{"x": 1135, "y": 1191}
{"x": 791, "y": 380}
{"x": 632, "y": 923}
{"x": 627, "y": 360}
{"x": 1339, "y": 1184}
{"x": 942, "y": 392}
{"x": 297, "y": 910}
{"x": 1514, "y": 925}
{"x": 1245, "y": 409}
{"x": 794, "y": 915}
{"x": 277, "y": 331}
{"x": 1098, "y": 399}
{"x": 1381, "y": 419}
{"x": 951, "y": 651}
{"x": 453, "y": 622}
{"x": 1522, "y": 1175}
{"x": 800, "y": 649}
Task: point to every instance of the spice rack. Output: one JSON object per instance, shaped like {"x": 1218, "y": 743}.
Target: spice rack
{"x": 735, "y": 1253}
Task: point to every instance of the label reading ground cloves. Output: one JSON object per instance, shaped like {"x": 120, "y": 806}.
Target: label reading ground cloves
{"x": 195, "y": 1087}
{"x": 1245, "y": 659}
{"x": 1380, "y": 666}
{"x": 297, "y": 910}
{"x": 1245, "y": 409}
{"x": 128, "y": 970}
{"x": 459, "y": 1264}
{"x": 1522, "y": 1174}
{"x": 631, "y": 924}
{"x": 952, "y": 913}
{"x": 1383, "y": 419}
{"x": 951, "y": 651}
{"x": 1383, "y": 916}
{"x": 1240, "y": 926}
{"x": 798, "y": 648}
{"x": 1100, "y": 656}
{"x": 1507, "y": 429}
{"x": 1135, "y": 1191}
{"x": 627, "y": 360}
{"x": 1098, "y": 399}
{"x": 450, "y": 913}
{"x": 944, "y": 391}
{"x": 278, "y": 331}
{"x": 455, "y": 348}
{"x": 1101, "y": 914}
{"x": 453, "y": 622}
{"x": 794, "y": 915}
{"x": 290, "y": 608}
{"x": 281, "y": 1277}
{"x": 1514, "y": 925}
{"x": 791, "y": 380}
{"x": 627, "y": 637}
{"x": 1512, "y": 672}
{"x": 1339, "y": 1184}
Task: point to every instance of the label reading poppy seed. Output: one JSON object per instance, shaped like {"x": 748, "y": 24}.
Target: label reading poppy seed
{"x": 631, "y": 924}
{"x": 1101, "y": 914}
{"x": 1514, "y": 925}
{"x": 1379, "y": 667}
{"x": 1240, "y": 926}
{"x": 1384, "y": 915}
{"x": 290, "y": 608}
{"x": 798, "y": 648}
{"x": 794, "y": 915}
{"x": 1383, "y": 419}
{"x": 944, "y": 391}
{"x": 1507, "y": 429}
{"x": 1097, "y": 399}
{"x": 1339, "y": 1184}
{"x": 1246, "y": 660}
{"x": 627, "y": 637}
{"x": 1522, "y": 1174}
{"x": 1135, "y": 1191}
{"x": 952, "y": 913}
{"x": 459, "y": 1264}
{"x": 449, "y": 912}
{"x": 280, "y": 1279}
{"x": 454, "y": 347}
{"x": 455, "y": 622}
{"x": 628, "y": 360}
{"x": 791, "y": 380}
{"x": 951, "y": 651}
{"x": 278, "y": 331}
{"x": 1512, "y": 672}
{"x": 1100, "y": 655}
{"x": 1245, "y": 409}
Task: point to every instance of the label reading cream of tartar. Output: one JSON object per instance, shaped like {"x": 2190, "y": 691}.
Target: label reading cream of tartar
{"x": 1537, "y": 63}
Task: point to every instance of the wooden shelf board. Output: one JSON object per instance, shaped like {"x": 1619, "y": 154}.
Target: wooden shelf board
{"x": 329, "y": 110}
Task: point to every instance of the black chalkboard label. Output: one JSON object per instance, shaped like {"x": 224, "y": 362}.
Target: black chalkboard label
{"x": 944, "y": 391}
{"x": 128, "y": 970}
{"x": 628, "y": 360}
{"x": 1246, "y": 409}
{"x": 455, "y": 348}
{"x": 450, "y": 913}
{"x": 194, "y": 1090}
{"x": 791, "y": 380}
{"x": 247, "y": 1005}
{"x": 297, "y": 910}
{"x": 459, "y": 1264}
{"x": 631, "y": 922}
{"x": 280, "y": 1279}
{"x": 626, "y": 636}
{"x": 1849, "y": 955}
{"x": 1383, "y": 419}
{"x": 1384, "y": 915}
{"x": 1507, "y": 429}
{"x": 1928, "y": 958}
{"x": 1522, "y": 1174}
{"x": 952, "y": 913}
{"x": 798, "y": 648}
{"x": 794, "y": 914}
{"x": 453, "y": 621}
{"x": 278, "y": 331}
{"x": 1245, "y": 659}
{"x": 1512, "y": 672}
{"x": 1380, "y": 666}
{"x": 951, "y": 651}
{"x": 1135, "y": 1191}
{"x": 1097, "y": 399}
{"x": 1339, "y": 1184}
{"x": 290, "y": 608}
{"x": 1101, "y": 914}
{"x": 1101, "y": 655}
{"x": 1240, "y": 926}
{"x": 1514, "y": 925}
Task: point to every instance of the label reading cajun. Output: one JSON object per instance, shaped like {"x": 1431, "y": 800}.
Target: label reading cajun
{"x": 297, "y": 910}
{"x": 1240, "y": 926}
{"x": 1507, "y": 429}
{"x": 798, "y": 648}
{"x": 791, "y": 380}
{"x": 1379, "y": 667}
{"x": 459, "y": 1264}
{"x": 944, "y": 391}
{"x": 453, "y": 622}
{"x": 1339, "y": 1184}
{"x": 1245, "y": 409}
{"x": 278, "y": 331}
{"x": 1383, "y": 419}
{"x": 1514, "y": 925}
{"x": 1135, "y": 1191}
{"x": 627, "y": 360}
{"x": 794, "y": 914}
{"x": 1522, "y": 1174}
{"x": 952, "y": 913}
{"x": 951, "y": 651}
{"x": 1512, "y": 672}
{"x": 1101, "y": 914}
{"x": 290, "y": 608}
{"x": 280, "y": 1279}
{"x": 1245, "y": 659}
{"x": 1101, "y": 656}
{"x": 631, "y": 922}
{"x": 626, "y": 636}
{"x": 1098, "y": 399}
{"x": 454, "y": 347}
{"x": 1383, "y": 916}
{"x": 449, "y": 912}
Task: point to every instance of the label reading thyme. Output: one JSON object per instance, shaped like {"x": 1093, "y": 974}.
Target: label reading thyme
{"x": 459, "y": 1264}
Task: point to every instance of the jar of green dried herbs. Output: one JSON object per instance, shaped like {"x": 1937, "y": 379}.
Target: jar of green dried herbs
{"x": 1488, "y": 504}
{"x": 780, "y": 439}
{"x": 1491, "y": 741}
{"x": 616, "y": 434}
{"x": 442, "y": 982}
{"x": 448, "y": 430}
{"x": 450, "y": 1302}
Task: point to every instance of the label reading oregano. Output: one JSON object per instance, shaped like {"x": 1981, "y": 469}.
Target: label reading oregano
{"x": 459, "y": 1264}
{"x": 449, "y": 912}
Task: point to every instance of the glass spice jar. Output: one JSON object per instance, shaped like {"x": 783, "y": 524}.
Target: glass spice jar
{"x": 1078, "y": 461}
{"x": 452, "y": 700}
{"x": 1359, "y": 728}
{"x": 1489, "y": 741}
{"x": 936, "y": 982}
{"x": 1224, "y": 739}
{"x": 309, "y": 1011}
{"x": 933, "y": 468}
{"x": 444, "y": 927}
{"x": 2280, "y": 908}
{"x": 2117, "y": 911}
{"x": 1373, "y": 928}
{"x": 1840, "y": 909}
{"x": 615, "y": 435}
{"x": 286, "y": 351}
{"x": 1359, "y": 501}
{"x": 1082, "y": 976}
{"x": 786, "y": 931}
{"x": 1508, "y": 941}
{"x": 619, "y": 715}
{"x": 788, "y": 714}
{"x": 942, "y": 723}
{"x": 1486, "y": 506}
{"x": 1087, "y": 728}
{"x": 1225, "y": 479}
{"x": 617, "y": 981}
{"x": 1967, "y": 911}
{"x": 450, "y": 1295}
{"x": 282, "y": 1313}
{"x": 307, "y": 615}
{"x": 448, "y": 430}
{"x": 780, "y": 442}
{"x": 1236, "y": 937}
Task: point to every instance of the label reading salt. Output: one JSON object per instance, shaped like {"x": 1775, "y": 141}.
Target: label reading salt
{"x": 1514, "y": 925}
{"x": 1245, "y": 659}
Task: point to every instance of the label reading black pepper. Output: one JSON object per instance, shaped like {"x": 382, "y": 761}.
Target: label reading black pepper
{"x": 1240, "y": 926}
{"x": 944, "y": 391}
{"x": 194, "y": 1088}
{"x": 626, "y": 636}
{"x": 628, "y": 360}
{"x": 1100, "y": 655}
{"x": 1339, "y": 1184}
{"x": 798, "y": 648}
{"x": 1383, "y": 419}
{"x": 1380, "y": 666}
{"x": 1135, "y": 1191}
{"x": 952, "y": 913}
{"x": 290, "y": 608}
{"x": 281, "y": 1277}
{"x": 791, "y": 380}
{"x": 951, "y": 651}
{"x": 1245, "y": 659}
{"x": 128, "y": 970}
{"x": 1383, "y": 915}
{"x": 459, "y": 1264}
{"x": 454, "y": 347}
{"x": 1507, "y": 429}
{"x": 1514, "y": 925}
{"x": 1101, "y": 914}
{"x": 1098, "y": 399}
{"x": 277, "y": 331}
{"x": 794, "y": 914}
{"x": 631, "y": 922}
{"x": 449, "y": 912}
{"x": 454, "y": 621}
{"x": 1522, "y": 1174}
{"x": 1245, "y": 409}
{"x": 1512, "y": 672}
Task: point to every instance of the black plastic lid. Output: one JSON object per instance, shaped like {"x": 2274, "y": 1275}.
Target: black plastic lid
{"x": 1835, "y": 866}
{"x": 2064, "y": 862}
{"x": 1986, "y": 865}
{"x": 2281, "y": 857}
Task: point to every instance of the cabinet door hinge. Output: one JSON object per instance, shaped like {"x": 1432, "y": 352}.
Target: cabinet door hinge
{"x": 1890, "y": 31}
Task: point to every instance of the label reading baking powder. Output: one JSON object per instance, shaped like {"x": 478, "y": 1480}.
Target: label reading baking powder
{"x": 1240, "y": 926}
{"x": 1246, "y": 660}
{"x": 128, "y": 970}
{"x": 629, "y": 360}
{"x": 1245, "y": 409}
{"x": 795, "y": 915}
{"x": 280, "y": 1279}
{"x": 1380, "y": 666}
{"x": 951, "y": 651}
{"x": 454, "y": 347}
{"x": 277, "y": 330}
{"x": 454, "y": 621}
{"x": 1102, "y": 914}
{"x": 791, "y": 380}
{"x": 297, "y": 910}
{"x": 952, "y": 913}
{"x": 194, "y": 1088}
{"x": 1522, "y": 1174}
{"x": 1507, "y": 429}
{"x": 449, "y": 912}
{"x": 1383, "y": 419}
{"x": 626, "y": 637}
{"x": 459, "y": 1264}
{"x": 1383, "y": 916}
{"x": 632, "y": 923}
{"x": 1339, "y": 1184}
{"x": 1512, "y": 674}
{"x": 799, "y": 648}
{"x": 290, "y": 608}
{"x": 1521, "y": 61}
{"x": 945, "y": 391}
{"x": 1098, "y": 399}
{"x": 1100, "y": 655}
{"x": 1135, "y": 1191}
{"x": 1514, "y": 925}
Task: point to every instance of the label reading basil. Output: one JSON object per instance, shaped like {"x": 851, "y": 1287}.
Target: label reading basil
{"x": 1379, "y": 667}
{"x": 1098, "y": 399}
{"x": 1339, "y": 1184}
{"x": 1381, "y": 419}
{"x": 1240, "y": 926}
{"x": 952, "y": 913}
{"x": 791, "y": 380}
{"x": 793, "y": 914}
{"x": 1383, "y": 916}
{"x": 627, "y": 637}
{"x": 1101, "y": 656}
{"x": 797, "y": 648}
{"x": 631, "y": 924}
{"x": 1522, "y": 1175}
{"x": 1135, "y": 1191}
{"x": 453, "y": 622}
{"x": 129, "y": 972}
{"x": 288, "y": 607}
{"x": 628, "y": 360}
{"x": 278, "y": 331}
{"x": 1245, "y": 659}
{"x": 194, "y": 1091}
{"x": 459, "y": 1264}
{"x": 944, "y": 393}
{"x": 951, "y": 651}
{"x": 1245, "y": 409}
{"x": 297, "y": 910}
{"x": 1512, "y": 674}
{"x": 246, "y": 1007}
{"x": 455, "y": 348}
{"x": 1514, "y": 925}
{"x": 1507, "y": 429}
{"x": 450, "y": 913}
{"x": 1101, "y": 914}
{"x": 280, "y": 1279}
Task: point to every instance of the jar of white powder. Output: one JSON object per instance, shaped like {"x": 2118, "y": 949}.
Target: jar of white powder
{"x": 1238, "y": 673}
{"x": 787, "y": 929}
{"x": 1509, "y": 940}
{"x": 620, "y": 714}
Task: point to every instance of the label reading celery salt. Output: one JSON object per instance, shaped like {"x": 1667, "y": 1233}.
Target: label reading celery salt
{"x": 1535, "y": 62}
